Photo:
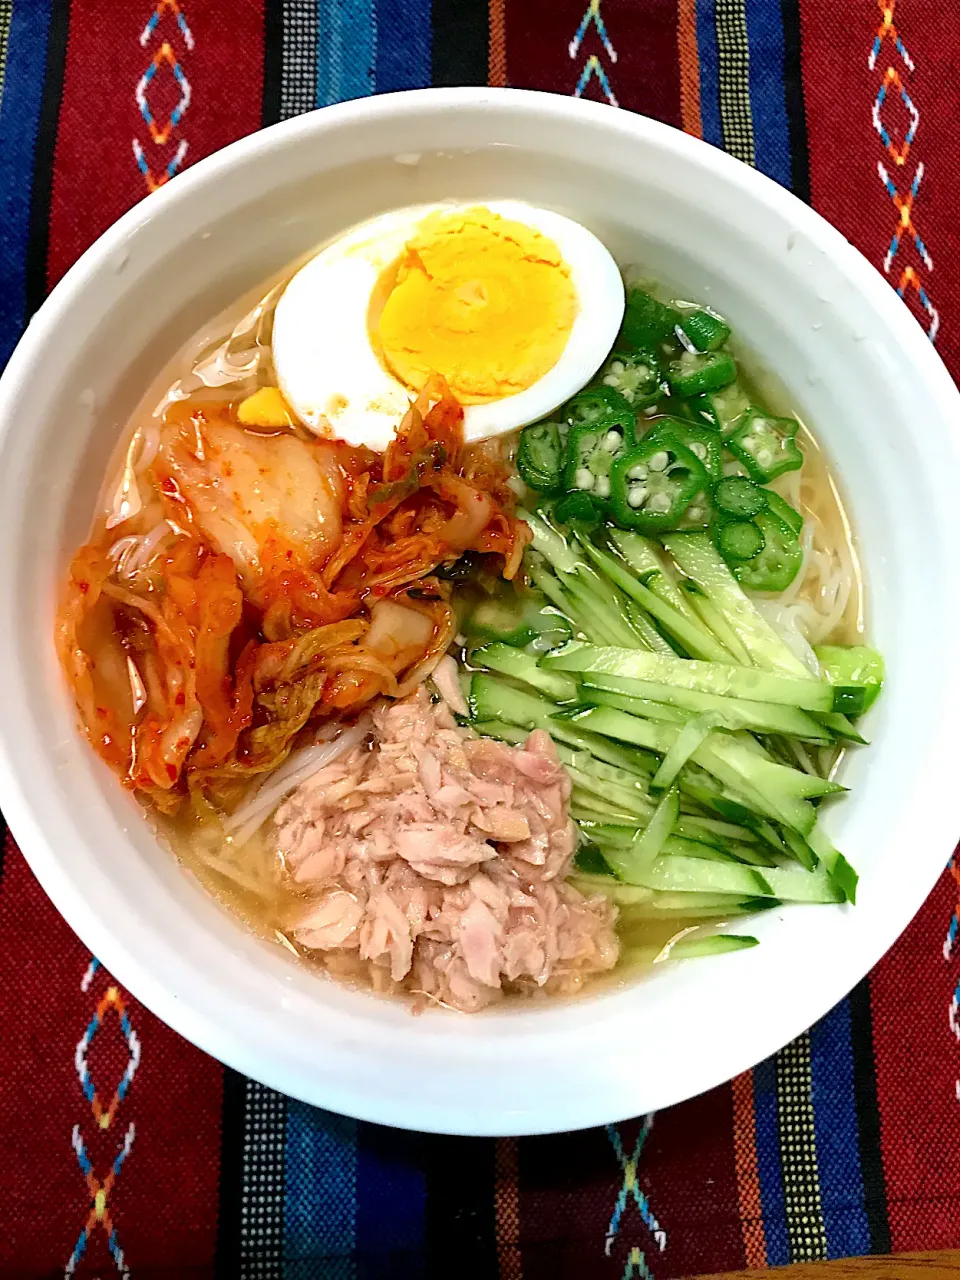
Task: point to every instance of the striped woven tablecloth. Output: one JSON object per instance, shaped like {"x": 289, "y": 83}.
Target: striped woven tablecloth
{"x": 123, "y": 1150}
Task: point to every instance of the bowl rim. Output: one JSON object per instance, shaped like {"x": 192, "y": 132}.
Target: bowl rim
{"x": 121, "y": 959}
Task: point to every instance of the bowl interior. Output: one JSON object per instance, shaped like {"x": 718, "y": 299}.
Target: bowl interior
{"x": 852, "y": 362}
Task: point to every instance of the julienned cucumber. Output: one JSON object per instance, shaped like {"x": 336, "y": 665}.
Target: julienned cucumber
{"x": 509, "y": 661}
{"x": 689, "y": 948}
{"x": 634, "y": 861}
{"x": 772, "y": 789}
{"x": 678, "y": 874}
{"x": 708, "y": 677}
{"x": 699, "y": 559}
{"x": 493, "y": 700}
{"x": 637, "y": 696}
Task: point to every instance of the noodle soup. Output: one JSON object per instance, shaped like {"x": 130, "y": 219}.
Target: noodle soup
{"x": 478, "y": 713}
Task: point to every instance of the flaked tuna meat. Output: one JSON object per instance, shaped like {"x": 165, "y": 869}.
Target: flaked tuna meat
{"x": 434, "y": 863}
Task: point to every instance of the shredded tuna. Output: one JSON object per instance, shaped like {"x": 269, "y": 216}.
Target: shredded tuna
{"x": 435, "y": 864}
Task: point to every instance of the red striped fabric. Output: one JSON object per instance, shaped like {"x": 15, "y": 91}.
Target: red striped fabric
{"x": 218, "y": 48}
{"x": 629, "y": 53}
{"x": 163, "y": 1204}
{"x": 915, "y": 67}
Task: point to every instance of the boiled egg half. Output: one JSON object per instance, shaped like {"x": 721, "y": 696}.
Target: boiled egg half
{"x": 517, "y": 307}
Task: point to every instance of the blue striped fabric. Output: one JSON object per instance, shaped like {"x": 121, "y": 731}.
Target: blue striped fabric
{"x": 403, "y": 45}
{"x": 768, "y": 1162}
{"x": 391, "y": 1204}
{"x": 709, "y": 72}
{"x": 27, "y": 50}
{"x": 320, "y": 1205}
{"x": 835, "y": 1124}
{"x": 346, "y": 50}
{"x": 355, "y": 1199}
{"x": 767, "y": 103}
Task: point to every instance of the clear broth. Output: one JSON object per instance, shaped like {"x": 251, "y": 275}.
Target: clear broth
{"x": 249, "y": 881}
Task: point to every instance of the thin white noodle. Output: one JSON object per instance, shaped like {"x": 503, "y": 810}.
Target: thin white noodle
{"x": 817, "y": 601}
{"x": 788, "y": 596}
{"x": 249, "y": 818}
{"x": 294, "y": 761}
{"x": 149, "y": 447}
{"x": 236, "y": 874}
{"x": 131, "y": 553}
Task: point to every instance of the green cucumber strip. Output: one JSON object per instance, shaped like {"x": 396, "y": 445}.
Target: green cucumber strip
{"x": 635, "y": 777}
{"x": 683, "y": 847}
{"x": 734, "y": 713}
{"x": 610, "y": 833}
{"x": 589, "y": 807}
{"x": 700, "y": 875}
{"x": 645, "y": 707}
{"x": 594, "y": 619}
{"x": 758, "y": 768}
{"x": 838, "y": 868}
{"x": 625, "y": 894}
{"x": 684, "y": 948}
{"x": 690, "y": 904}
{"x": 699, "y": 559}
{"x": 552, "y": 545}
{"x": 643, "y": 557}
{"x": 800, "y": 849}
{"x": 713, "y": 618}
{"x": 706, "y": 677}
{"x": 491, "y": 699}
{"x": 690, "y": 737}
{"x": 789, "y": 884}
{"x": 507, "y": 661}
{"x": 693, "y": 636}
{"x": 585, "y": 815}
{"x": 755, "y": 854}
{"x": 714, "y": 827}
{"x": 631, "y": 862}
{"x": 792, "y": 883}
{"x": 842, "y": 727}
{"x": 739, "y": 753}
{"x": 633, "y": 924}
{"x": 643, "y": 626}
{"x": 500, "y": 730}
{"x": 770, "y": 789}
{"x": 853, "y": 664}
{"x": 635, "y": 803}
{"x": 549, "y": 584}
{"x": 716, "y": 944}
{"x": 620, "y": 724}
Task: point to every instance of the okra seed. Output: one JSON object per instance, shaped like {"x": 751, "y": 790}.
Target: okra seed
{"x": 659, "y": 503}
{"x": 659, "y": 461}
{"x": 583, "y": 479}
{"x": 602, "y": 487}
{"x": 639, "y": 472}
{"x": 612, "y": 441}
{"x": 636, "y": 495}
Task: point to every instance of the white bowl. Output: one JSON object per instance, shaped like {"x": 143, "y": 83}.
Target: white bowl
{"x": 852, "y": 359}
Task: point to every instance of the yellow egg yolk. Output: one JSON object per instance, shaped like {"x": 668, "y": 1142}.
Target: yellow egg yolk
{"x": 485, "y": 301}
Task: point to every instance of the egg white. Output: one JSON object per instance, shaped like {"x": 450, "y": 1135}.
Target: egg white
{"x": 330, "y": 374}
